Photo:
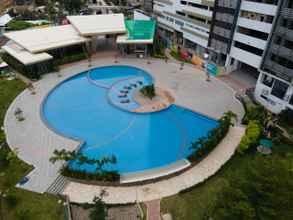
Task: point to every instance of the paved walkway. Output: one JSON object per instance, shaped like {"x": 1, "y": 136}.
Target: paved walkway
{"x": 36, "y": 143}
{"x": 153, "y": 210}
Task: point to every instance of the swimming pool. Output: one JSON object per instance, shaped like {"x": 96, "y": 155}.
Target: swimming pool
{"x": 80, "y": 108}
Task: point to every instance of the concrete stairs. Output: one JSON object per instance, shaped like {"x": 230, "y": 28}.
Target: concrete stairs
{"x": 58, "y": 185}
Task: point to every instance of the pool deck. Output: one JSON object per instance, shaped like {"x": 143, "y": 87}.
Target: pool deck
{"x": 36, "y": 142}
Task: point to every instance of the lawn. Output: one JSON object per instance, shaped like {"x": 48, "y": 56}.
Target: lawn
{"x": 194, "y": 204}
{"x": 22, "y": 204}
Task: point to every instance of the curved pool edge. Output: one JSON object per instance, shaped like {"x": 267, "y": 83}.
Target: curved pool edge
{"x": 134, "y": 178}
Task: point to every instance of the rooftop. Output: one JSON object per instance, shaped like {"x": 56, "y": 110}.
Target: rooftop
{"x": 45, "y": 39}
{"x": 24, "y": 56}
{"x": 90, "y": 25}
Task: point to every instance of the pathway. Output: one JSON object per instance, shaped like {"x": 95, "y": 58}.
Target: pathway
{"x": 153, "y": 210}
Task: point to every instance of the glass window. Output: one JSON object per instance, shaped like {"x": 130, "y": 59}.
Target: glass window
{"x": 279, "y": 89}
{"x": 268, "y": 80}
{"x": 291, "y": 100}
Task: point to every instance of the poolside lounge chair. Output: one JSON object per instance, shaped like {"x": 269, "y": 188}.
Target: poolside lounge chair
{"x": 123, "y": 91}
{"x": 122, "y": 96}
{"x": 133, "y": 85}
{"x": 140, "y": 82}
{"x": 125, "y": 101}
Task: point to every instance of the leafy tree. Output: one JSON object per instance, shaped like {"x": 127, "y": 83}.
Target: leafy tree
{"x": 99, "y": 211}
{"x": 265, "y": 193}
{"x": 148, "y": 91}
{"x": 72, "y": 6}
{"x": 64, "y": 155}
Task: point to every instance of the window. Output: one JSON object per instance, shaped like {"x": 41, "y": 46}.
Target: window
{"x": 198, "y": 5}
{"x": 279, "y": 89}
{"x": 291, "y": 100}
{"x": 180, "y": 13}
{"x": 268, "y": 80}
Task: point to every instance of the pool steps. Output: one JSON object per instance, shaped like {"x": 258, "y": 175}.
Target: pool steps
{"x": 58, "y": 185}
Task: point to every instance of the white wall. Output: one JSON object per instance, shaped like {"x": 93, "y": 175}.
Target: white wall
{"x": 272, "y": 103}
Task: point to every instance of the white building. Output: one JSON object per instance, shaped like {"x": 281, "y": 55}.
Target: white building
{"x": 185, "y": 22}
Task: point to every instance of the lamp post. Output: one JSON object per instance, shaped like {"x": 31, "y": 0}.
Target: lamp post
{"x": 206, "y": 62}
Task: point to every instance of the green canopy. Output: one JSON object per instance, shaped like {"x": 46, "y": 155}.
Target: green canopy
{"x": 140, "y": 29}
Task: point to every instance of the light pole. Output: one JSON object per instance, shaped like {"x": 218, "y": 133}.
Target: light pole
{"x": 206, "y": 62}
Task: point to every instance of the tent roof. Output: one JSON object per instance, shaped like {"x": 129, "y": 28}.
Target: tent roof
{"x": 43, "y": 39}
{"x": 24, "y": 56}
{"x": 91, "y": 25}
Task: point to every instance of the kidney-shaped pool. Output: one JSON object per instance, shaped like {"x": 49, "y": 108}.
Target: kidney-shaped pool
{"x": 80, "y": 108}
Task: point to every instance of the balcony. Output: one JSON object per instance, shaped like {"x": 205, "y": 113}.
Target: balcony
{"x": 254, "y": 25}
{"x": 282, "y": 51}
{"x": 201, "y": 13}
{"x": 279, "y": 70}
{"x": 258, "y": 7}
{"x": 287, "y": 12}
{"x": 288, "y": 34}
{"x": 246, "y": 57}
{"x": 251, "y": 41}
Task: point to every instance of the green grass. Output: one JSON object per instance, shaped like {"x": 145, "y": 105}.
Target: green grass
{"x": 193, "y": 205}
{"x": 8, "y": 91}
{"x": 29, "y": 205}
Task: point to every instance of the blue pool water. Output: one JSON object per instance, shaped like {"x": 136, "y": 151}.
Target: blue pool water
{"x": 79, "y": 108}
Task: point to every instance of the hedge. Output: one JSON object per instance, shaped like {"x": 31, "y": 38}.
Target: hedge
{"x": 251, "y": 137}
{"x": 108, "y": 176}
{"x": 204, "y": 145}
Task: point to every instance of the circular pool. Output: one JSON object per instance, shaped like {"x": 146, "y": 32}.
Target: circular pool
{"x": 82, "y": 107}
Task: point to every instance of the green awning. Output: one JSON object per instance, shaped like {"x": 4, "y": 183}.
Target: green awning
{"x": 140, "y": 29}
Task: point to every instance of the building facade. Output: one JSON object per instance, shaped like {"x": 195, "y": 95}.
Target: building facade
{"x": 274, "y": 88}
{"x": 185, "y": 22}
{"x": 255, "y": 36}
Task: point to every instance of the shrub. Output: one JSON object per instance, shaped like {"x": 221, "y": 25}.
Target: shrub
{"x": 251, "y": 137}
{"x": 148, "y": 91}
{"x": 254, "y": 112}
{"x": 19, "y": 25}
{"x": 105, "y": 176}
{"x": 204, "y": 145}
{"x": 11, "y": 201}
{"x": 3, "y": 158}
{"x": 286, "y": 117}
{"x": 70, "y": 59}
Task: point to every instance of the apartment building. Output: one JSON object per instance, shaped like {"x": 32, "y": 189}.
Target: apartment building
{"x": 185, "y": 22}
{"x": 253, "y": 35}
{"x": 274, "y": 88}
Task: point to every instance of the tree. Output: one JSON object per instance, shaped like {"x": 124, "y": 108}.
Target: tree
{"x": 265, "y": 193}
{"x": 64, "y": 155}
{"x": 72, "y": 6}
{"x": 99, "y": 211}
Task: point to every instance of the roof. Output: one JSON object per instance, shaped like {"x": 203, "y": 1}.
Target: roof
{"x": 5, "y": 19}
{"x": 24, "y": 56}
{"x": 90, "y": 25}
{"x": 138, "y": 32}
{"x": 43, "y": 39}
